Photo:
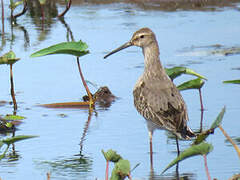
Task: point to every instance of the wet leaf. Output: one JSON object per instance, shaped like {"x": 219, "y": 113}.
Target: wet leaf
{"x": 111, "y": 155}
{"x": 14, "y": 139}
{"x": 13, "y": 117}
{"x": 8, "y": 58}
{"x": 237, "y": 81}
{"x": 72, "y": 48}
{"x": 201, "y": 137}
{"x": 200, "y": 149}
{"x": 192, "y": 84}
{"x": 177, "y": 71}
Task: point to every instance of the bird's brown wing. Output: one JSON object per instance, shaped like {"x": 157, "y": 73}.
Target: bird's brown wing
{"x": 159, "y": 101}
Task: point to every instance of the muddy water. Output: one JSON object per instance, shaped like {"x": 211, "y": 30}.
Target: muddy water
{"x": 55, "y": 78}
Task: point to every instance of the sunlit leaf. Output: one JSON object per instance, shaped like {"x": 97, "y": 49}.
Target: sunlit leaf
{"x": 123, "y": 167}
{"x": 13, "y": 117}
{"x": 8, "y": 58}
{"x": 200, "y": 149}
{"x": 237, "y": 81}
{"x": 72, "y": 48}
{"x": 14, "y": 139}
{"x": 177, "y": 71}
{"x": 191, "y": 84}
{"x": 201, "y": 137}
{"x": 219, "y": 118}
{"x": 120, "y": 170}
{"x": 42, "y": 2}
{"x": 111, "y": 155}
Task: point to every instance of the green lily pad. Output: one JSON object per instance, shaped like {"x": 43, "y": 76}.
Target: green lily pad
{"x": 13, "y": 117}
{"x": 111, "y": 155}
{"x": 8, "y": 58}
{"x": 177, "y": 71}
{"x": 237, "y": 81}
{"x": 200, "y": 149}
{"x": 72, "y": 48}
{"x": 191, "y": 84}
{"x": 14, "y": 139}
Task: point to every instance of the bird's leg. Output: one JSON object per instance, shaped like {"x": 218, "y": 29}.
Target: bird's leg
{"x": 151, "y": 152}
{"x": 178, "y": 151}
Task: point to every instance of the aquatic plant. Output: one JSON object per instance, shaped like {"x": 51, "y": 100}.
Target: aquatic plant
{"x": 199, "y": 146}
{"x": 9, "y": 58}
{"x": 77, "y": 49}
{"x": 68, "y": 5}
{"x": 121, "y": 168}
{"x": 236, "y": 81}
{"x": 11, "y": 140}
{"x": 2, "y": 7}
{"x": 14, "y": 5}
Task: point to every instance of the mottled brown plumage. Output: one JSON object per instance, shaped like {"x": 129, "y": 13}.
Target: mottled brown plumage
{"x": 155, "y": 96}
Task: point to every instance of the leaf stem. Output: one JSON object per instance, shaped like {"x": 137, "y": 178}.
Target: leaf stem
{"x": 91, "y": 102}
{"x": 206, "y": 167}
{"x": 201, "y": 102}
{"x": 230, "y": 140}
{"x": 12, "y": 89}
{"x": 107, "y": 167}
{"x": 2, "y": 16}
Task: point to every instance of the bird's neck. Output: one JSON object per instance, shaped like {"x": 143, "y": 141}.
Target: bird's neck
{"x": 152, "y": 64}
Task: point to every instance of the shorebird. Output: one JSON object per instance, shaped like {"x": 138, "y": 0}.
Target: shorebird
{"x": 156, "y": 97}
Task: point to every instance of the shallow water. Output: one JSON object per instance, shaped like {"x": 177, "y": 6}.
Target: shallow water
{"x": 55, "y": 78}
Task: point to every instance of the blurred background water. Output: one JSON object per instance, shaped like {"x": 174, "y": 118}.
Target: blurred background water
{"x": 186, "y": 34}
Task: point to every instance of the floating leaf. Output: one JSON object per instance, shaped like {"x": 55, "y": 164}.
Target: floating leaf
{"x": 13, "y": 117}
{"x": 72, "y": 48}
{"x": 8, "y": 58}
{"x": 192, "y": 84}
{"x": 111, "y": 155}
{"x": 14, "y": 139}
{"x": 200, "y": 149}
{"x": 177, "y": 71}
{"x": 237, "y": 81}
{"x": 201, "y": 137}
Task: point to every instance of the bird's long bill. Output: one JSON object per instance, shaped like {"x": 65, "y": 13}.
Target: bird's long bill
{"x": 126, "y": 45}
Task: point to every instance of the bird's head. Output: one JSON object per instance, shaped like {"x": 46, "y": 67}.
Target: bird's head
{"x": 141, "y": 38}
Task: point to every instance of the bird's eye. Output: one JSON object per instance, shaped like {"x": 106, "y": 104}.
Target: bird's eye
{"x": 142, "y": 36}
